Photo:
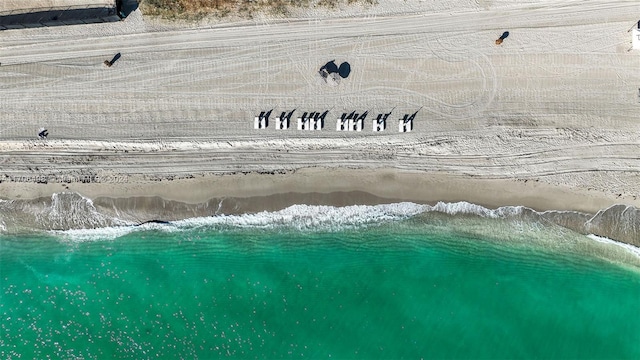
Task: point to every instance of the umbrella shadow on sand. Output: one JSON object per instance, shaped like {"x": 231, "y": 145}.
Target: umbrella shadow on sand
{"x": 344, "y": 70}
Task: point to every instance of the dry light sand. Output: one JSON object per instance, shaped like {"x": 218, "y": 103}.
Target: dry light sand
{"x": 549, "y": 119}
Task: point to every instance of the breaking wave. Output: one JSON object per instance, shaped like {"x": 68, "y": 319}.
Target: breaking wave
{"x": 630, "y": 248}
{"x": 311, "y": 217}
{"x": 80, "y": 218}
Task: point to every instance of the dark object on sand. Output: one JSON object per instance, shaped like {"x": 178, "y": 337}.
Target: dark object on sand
{"x": 502, "y": 37}
{"x": 108, "y": 63}
{"x": 330, "y": 67}
{"x": 154, "y": 222}
{"x": 43, "y": 133}
{"x": 344, "y": 70}
{"x": 38, "y": 13}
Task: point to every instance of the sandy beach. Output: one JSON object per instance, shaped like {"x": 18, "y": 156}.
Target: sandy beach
{"x": 549, "y": 119}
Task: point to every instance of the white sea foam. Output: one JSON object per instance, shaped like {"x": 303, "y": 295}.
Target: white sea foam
{"x": 630, "y": 248}
{"x": 464, "y": 207}
{"x": 313, "y": 217}
{"x": 309, "y": 218}
{"x": 83, "y": 235}
{"x": 300, "y": 217}
{"x": 110, "y": 232}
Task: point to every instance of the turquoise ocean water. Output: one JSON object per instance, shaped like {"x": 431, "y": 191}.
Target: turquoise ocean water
{"x": 359, "y": 282}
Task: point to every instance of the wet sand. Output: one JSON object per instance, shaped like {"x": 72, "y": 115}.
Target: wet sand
{"x": 141, "y": 200}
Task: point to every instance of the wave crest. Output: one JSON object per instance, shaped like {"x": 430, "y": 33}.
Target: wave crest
{"x": 311, "y": 217}
{"x": 71, "y": 212}
{"x": 466, "y": 208}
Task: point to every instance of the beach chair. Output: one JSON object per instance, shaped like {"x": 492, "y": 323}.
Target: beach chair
{"x": 319, "y": 121}
{"x": 256, "y": 121}
{"x": 265, "y": 119}
{"x": 375, "y": 122}
{"x": 402, "y": 123}
{"x": 344, "y": 123}
{"x": 379, "y": 123}
{"x": 406, "y": 123}
{"x": 301, "y": 121}
{"x": 340, "y": 122}
{"x": 261, "y": 121}
{"x": 279, "y": 121}
{"x": 311, "y": 120}
{"x": 287, "y": 120}
{"x": 409, "y": 121}
{"x": 284, "y": 120}
{"x": 43, "y": 133}
{"x": 409, "y": 125}
{"x": 359, "y": 122}
{"x": 352, "y": 120}
{"x": 310, "y": 124}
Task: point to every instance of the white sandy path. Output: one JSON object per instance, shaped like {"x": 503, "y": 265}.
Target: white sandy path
{"x": 558, "y": 101}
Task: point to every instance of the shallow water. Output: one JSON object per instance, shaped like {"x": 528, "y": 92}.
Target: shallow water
{"x": 396, "y": 285}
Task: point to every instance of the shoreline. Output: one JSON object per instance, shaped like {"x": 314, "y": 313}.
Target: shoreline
{"x": 586, "y": 212}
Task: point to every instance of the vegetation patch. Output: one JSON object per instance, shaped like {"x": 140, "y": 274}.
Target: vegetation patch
{"x": 197, "y": 9}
